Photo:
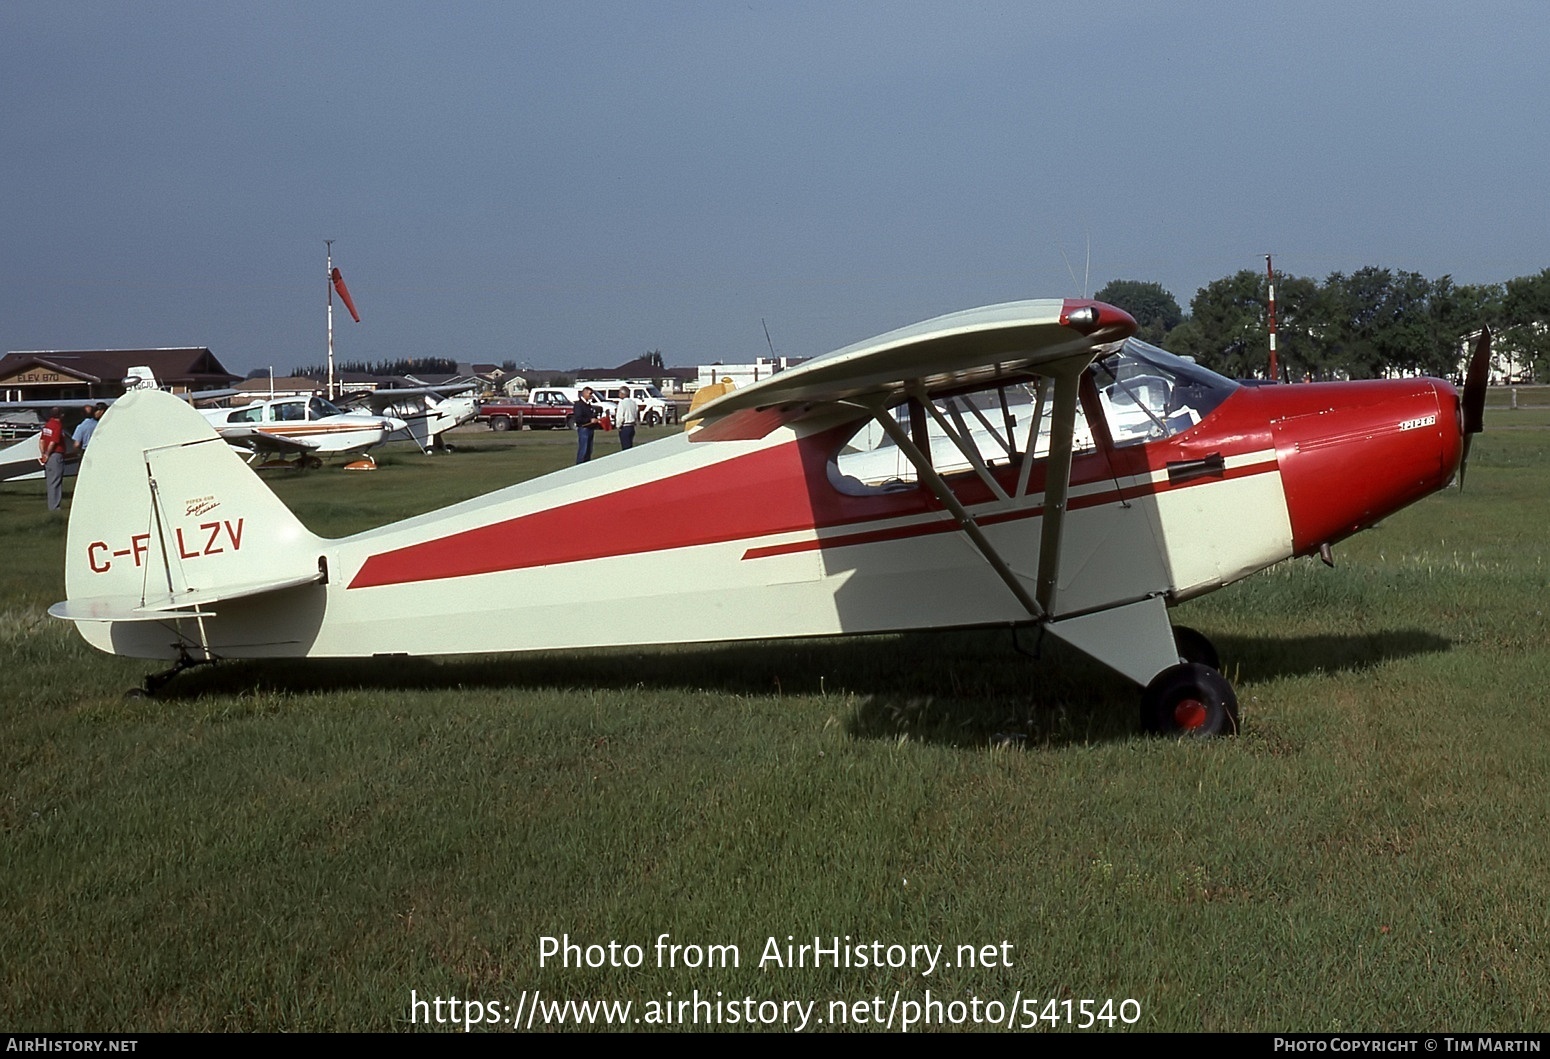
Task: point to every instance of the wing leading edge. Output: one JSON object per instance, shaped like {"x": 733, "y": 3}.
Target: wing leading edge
{"x": 959, "y": 349}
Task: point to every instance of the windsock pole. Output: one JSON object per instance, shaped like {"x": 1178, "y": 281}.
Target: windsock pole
{"x": 329, "y": 282}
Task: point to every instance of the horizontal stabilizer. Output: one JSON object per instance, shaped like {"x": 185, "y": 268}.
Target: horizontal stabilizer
{"x": 119, "y": 608}
{"x": 129, "y": 608}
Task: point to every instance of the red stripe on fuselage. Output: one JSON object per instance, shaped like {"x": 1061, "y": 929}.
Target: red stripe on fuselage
{"x": 948, "y": 525}
{"x": 742, "y": 497}
{"x": 781, "y": 489}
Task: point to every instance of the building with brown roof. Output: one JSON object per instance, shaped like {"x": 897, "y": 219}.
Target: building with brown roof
{"x": 75, "y": 375}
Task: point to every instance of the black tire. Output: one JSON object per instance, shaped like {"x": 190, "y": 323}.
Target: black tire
{"x": 1191, "y": 700}
{"x": 500, "y": 424}
{"x": 652, "y": 419}
{"x": 1194, "y": 647}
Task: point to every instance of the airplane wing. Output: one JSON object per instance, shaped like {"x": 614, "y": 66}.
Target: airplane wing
{"x": 196, "y": 396}
{"x": 381, "y": 400}
{"x": 260, "y": 441}
{"x": 978, "y": 345}
{"x": 40, "y": 405}
{"x": 44, "y": 406}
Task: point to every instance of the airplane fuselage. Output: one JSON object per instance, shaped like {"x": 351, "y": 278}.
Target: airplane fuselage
{"x": 738, "y": 532}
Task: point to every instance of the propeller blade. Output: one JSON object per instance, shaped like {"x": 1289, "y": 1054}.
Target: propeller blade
{"x": 1474, "y": 384}
{"x": 1472, "y": 405}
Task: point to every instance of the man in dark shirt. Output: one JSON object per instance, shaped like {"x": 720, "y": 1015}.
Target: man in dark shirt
{"x": 586, "y": 424}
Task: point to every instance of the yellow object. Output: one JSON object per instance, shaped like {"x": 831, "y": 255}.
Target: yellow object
{"x": 704, "y": 395}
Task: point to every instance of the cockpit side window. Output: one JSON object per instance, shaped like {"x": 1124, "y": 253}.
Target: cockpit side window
{"x": 998, "y": 424}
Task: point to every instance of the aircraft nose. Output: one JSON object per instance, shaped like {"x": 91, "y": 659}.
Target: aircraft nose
{"x": 1450, "y": 423}
{"x": 1362, "y": 451}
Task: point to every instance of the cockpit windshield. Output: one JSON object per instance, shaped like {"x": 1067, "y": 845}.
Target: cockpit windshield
{"x": 1148, "y": 393}
{"x": 318, "y": 408}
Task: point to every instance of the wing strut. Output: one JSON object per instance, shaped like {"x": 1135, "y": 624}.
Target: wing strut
{"x": 961, "y": 439}
{"x": 1057, "y": 481}
{"x": 966, "y": 521}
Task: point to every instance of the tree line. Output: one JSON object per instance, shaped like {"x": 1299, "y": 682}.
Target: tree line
{"x": 1371, "y": 323}
{"x": 402, "y": 366}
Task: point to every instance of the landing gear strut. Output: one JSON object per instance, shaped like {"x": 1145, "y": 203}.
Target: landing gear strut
{"x": 154, "y": 682}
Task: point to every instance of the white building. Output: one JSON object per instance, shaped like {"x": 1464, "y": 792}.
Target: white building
{"x": 743, "y": 375}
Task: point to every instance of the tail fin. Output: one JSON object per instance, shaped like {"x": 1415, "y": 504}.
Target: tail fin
{"x": 166, "y": 520}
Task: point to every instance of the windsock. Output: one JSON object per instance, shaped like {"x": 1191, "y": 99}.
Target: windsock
{"x": 344, "y": 294}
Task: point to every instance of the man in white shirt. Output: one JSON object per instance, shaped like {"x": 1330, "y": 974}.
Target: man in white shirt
{"x": 626, "y": 418}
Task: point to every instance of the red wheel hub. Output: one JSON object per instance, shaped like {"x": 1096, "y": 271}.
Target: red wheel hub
{"x": 1189, "y": 713}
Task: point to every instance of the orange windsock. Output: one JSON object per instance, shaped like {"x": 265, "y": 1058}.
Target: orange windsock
{"x": 344, "y": 294}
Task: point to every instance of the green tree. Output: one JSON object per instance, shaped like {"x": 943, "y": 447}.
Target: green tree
{"x": 1372, "y": 321}
{"x": 1457, "y": 312}
{"x": 1300, "y": 353}
{"x": 1526, "y": 317}
{"x": 1154, "y": 308}
{"x": 1226, "y": 330}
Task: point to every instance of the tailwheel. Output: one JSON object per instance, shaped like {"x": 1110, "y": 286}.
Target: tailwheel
{"x": 1194, "y": 647}
{"x": 1189, "y": 699}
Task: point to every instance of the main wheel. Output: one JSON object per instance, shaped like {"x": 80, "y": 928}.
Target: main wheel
{"x": 1194, "y": 647}
{"x": 1189, "y": 699}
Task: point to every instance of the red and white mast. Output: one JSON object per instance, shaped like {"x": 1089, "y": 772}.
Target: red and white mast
{"x": 1275, "y": 369}
{"x": 329, "y": 245}
{"x": 336, "y": 282}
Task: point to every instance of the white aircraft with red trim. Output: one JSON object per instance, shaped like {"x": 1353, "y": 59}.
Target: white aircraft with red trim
{"x": 1021, "y": 465}
{"x": 308, "y": 428}
{"x": 428, "y": 412}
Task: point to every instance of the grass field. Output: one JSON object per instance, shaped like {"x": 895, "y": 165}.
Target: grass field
{"x": 304, "y": 846}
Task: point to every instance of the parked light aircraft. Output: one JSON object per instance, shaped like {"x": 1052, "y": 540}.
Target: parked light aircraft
{"x": 428, "y": 412}
{"x": 308, "y": 428}
{"x": 1125, "y": 480}
{"x": 19, "y": 461}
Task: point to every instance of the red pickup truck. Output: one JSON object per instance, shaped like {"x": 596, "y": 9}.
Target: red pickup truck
{"x": 549, "y": 409}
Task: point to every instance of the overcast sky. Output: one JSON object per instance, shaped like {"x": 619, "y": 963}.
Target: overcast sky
{"x": 577, "y": 183}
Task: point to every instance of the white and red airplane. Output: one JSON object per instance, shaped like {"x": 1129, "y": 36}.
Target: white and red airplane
{"x": 308, "y": 428}
{"x": 1058, "y": 476}
{"x": 428, "y": 412}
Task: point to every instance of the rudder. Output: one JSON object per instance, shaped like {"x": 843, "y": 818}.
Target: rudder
{"x": 167, "y": 519}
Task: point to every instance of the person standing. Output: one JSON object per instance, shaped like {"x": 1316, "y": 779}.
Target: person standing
{"x": 51, "y": 454}
{"x": 87, "y": 426}
{"x": 585, "y": 415}
{"x": 626, "y": 418}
